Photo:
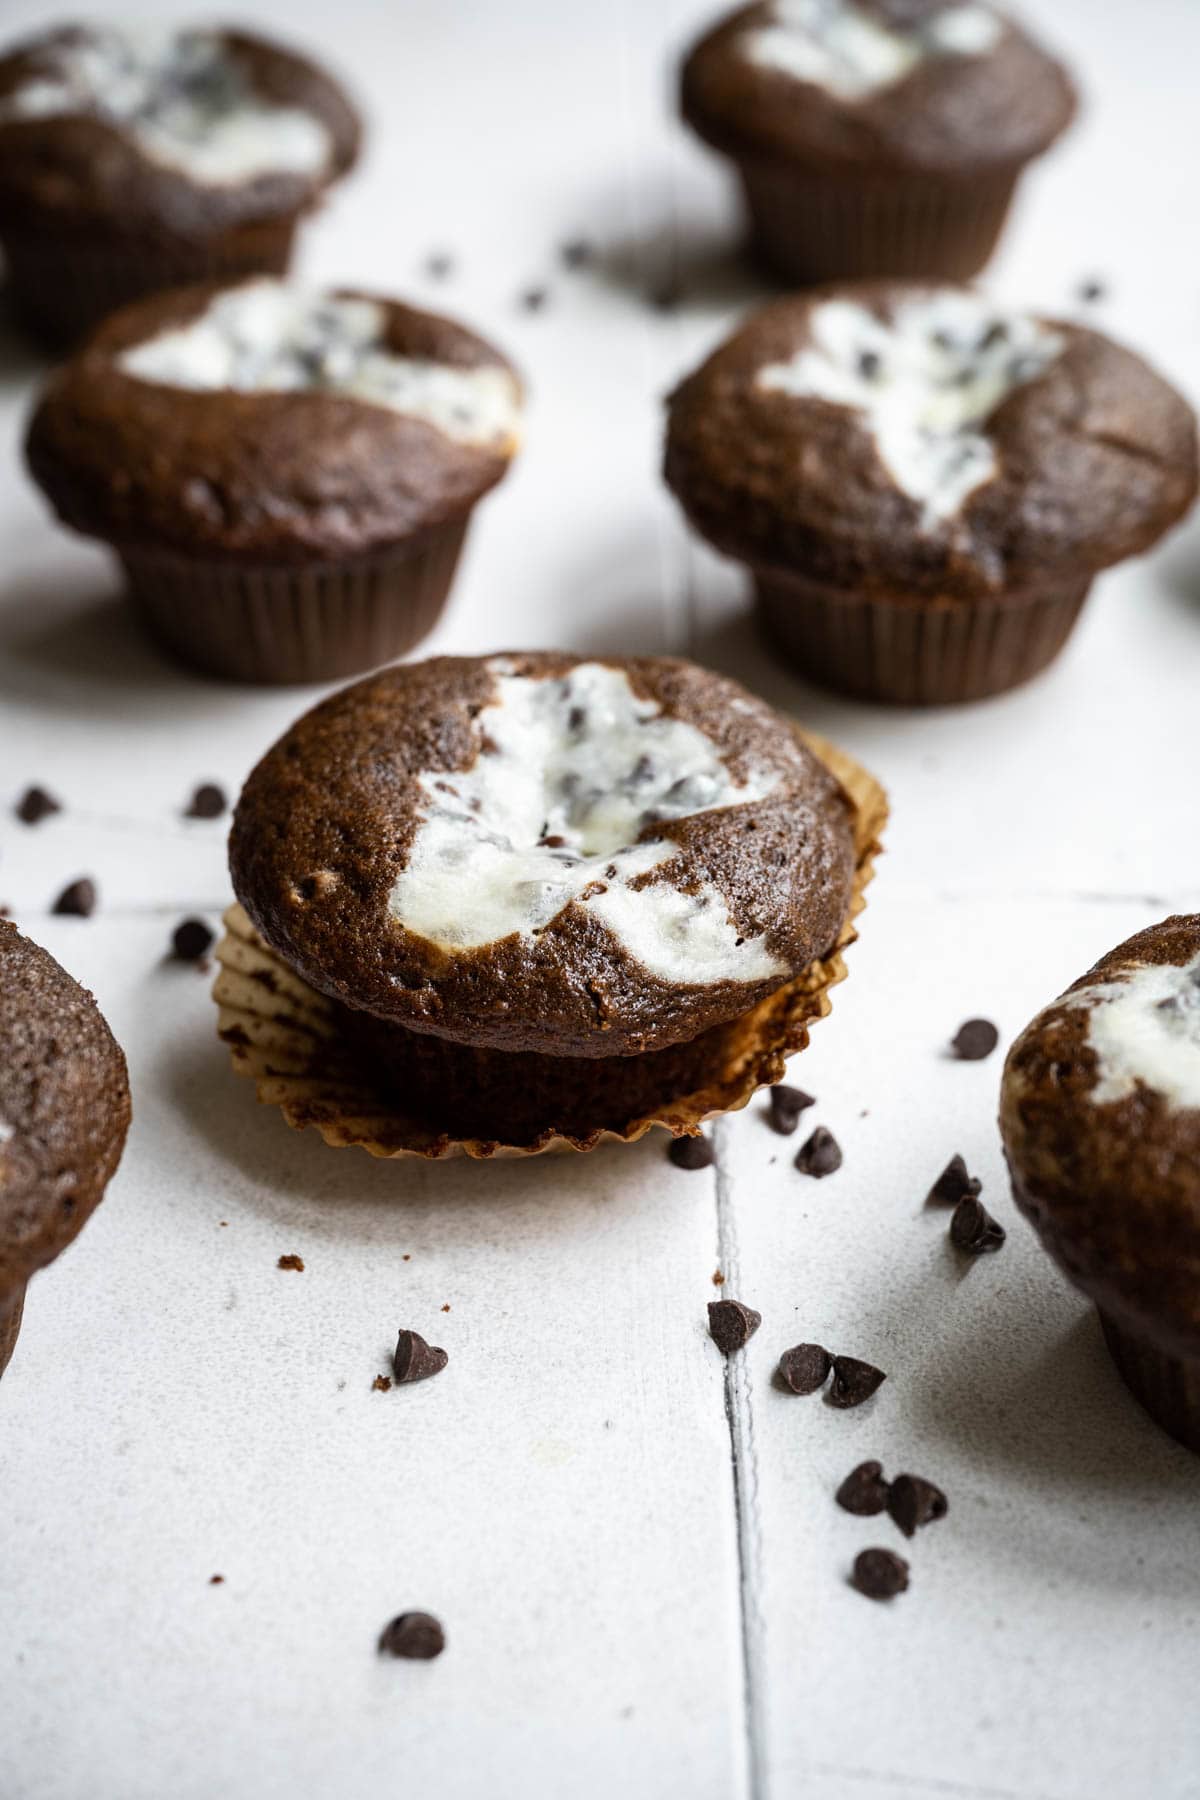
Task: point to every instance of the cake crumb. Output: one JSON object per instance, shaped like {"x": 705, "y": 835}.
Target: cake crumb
{"x": 291, "y": 1262}
{"x": 381, "y": 1385}
{"x": 216, "y": 1580}
{"x": 718, "y": 1280}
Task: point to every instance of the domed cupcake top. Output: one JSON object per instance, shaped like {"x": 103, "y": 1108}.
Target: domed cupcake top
{"x": 853, "y": 48}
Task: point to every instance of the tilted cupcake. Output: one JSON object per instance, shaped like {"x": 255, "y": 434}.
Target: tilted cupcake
{"x": 286, "y": 476}
{"x": 64, "y": 1112}
{"x": 924, "y": 483}
{"x": 875, "y": 137}
{"x": 512, "y": 900}
{"x": 1100, "y": 1114}
{"x": 138, "y": 159}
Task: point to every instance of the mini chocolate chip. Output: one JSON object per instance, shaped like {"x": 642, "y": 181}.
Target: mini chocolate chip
{"x": 415, "y": 1360}
{"x": 577, "y": 253}
{"x": 190, "y": 940}
{"x": 853, "y": 1381}
{"x": 291, "y": 1262}
{"x": 975, "y": 1040}
{"x": 805, "y": 1368}
{"x": 207, "y": 802}
{"x": 864, "y": 1491}
{"x": 879, "y": 1574}
{"x": 439, "y": 266}
{"x": 691, "y": 1152}
{"x": 820, "y": 1155}
{"x": 912, "y": 1502}
{"x": 533, "y": 299}
{"x": 953, "y": 1184}
{"x": 414, "y": 1635}
{"x": 35, "y": 805}
{"x": 973, "y": 1229}
{"x": 1092, "y": 290}
{"x": 731, "y": 1325}
{"x": 869, "y": 364}
{"x": 78, "y": 901}
{"x": 787, "y": 1103}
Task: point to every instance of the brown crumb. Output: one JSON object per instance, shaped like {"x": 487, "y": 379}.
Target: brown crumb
{"x": 446, "y": 1308}
{"x": 291, "y": 1262}
{"x": 223, "y": 1223}
{"x": 406, "y": 1258}
{"x": 216, "y": 1580}
{"x": 718, "y": 1279}
{"x": 381, "y": 1385}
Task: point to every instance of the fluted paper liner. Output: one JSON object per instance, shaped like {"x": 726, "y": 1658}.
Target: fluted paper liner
{"x": 287, "y": 1040}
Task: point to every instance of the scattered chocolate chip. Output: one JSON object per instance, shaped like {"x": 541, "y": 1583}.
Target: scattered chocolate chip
{"x": 820, "y": 1155}
{"x": 1092, "y": 290}
{"x": 577, "y": 253}
{"x": 35, "y": 805}
{"x": 853, "y": 1381}
{"x": 805, "y": 1368}
{"x": 207, "y": 802}
{"x": 381, "y": 1385}
{"x": 691, "y": 1152}
{"x": 864, "y": 1491}
{"x": 439, "y": 266}
{"x": 953, "y": 1185}
{"x": 869, "y": 364}
{"x": 415, "y": 1635}
{"x": 216, "y": 1580}
{"x": 534, "y": 299}
{"x": 973, "y": 1229}
{"x": 975, "y": 1040}
{"x": 731, "y": 1325}
{"x": 190, "y": 940}
{"x": 787, "y": 1103}
{"x": 291, "y": 1262}
{"x": 415, "y": 1360}
{"x": 78, "y": 901}
{"x": 912, "y": 1502}
{"x": 879, "y": 1574}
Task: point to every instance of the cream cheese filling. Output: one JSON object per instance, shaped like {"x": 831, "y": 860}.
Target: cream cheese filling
{"x": 852, "y": 53}
{"x": 1145, "y": 1031}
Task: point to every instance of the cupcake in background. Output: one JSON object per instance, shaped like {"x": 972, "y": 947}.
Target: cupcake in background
{"x": 875, "y": 137}
{"x": 135, "y": 159}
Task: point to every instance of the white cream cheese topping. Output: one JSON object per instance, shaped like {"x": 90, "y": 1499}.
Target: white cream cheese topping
{"x": 185, "y": 101}
{"x": 570, "y": 770}
{"x": 926, "y": 383}
{"x": 846, "y": 49}
{"x": 1145, "y": 1029}
{"x": 267, "y": 337}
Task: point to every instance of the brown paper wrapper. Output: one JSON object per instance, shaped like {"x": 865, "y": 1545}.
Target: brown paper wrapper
{"x": 287, "y": 1040}
{"x": 1166, "y": 1386}
{"x": 12, "y": 1305}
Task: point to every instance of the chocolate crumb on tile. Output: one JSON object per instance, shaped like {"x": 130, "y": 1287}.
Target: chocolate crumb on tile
{"x": 691, "y": 1152}
{"x": 417, "y": 1636}
{"x": 1092, "y": 290}
{"x": 191, "y": 940}
{"x": 804, "y": 1368}
{"x": 439, "y": 265}
{"x": 973, "y": 1229}
{"x": 382, "y": 1384}
{"x": 534, "y": 299}
{"x": 216, "y": 1581}
{"x": 77, "y": 900}
{"x": 446, "y": 1308}
{"x": 577, "y": 253}
{"x": 207, "y": 802}
{"x": 718, "y": 1280}
{"x": 415, "y": 1360}
{"x": 879, "y": 1574}
{"x": 786, "y": 1104}
{"x": 953, "y": 1185}
{"x": 819, "y": 1155}
{"x": 864, "y": 1491}
{"x": 853, "y": 1382}
{"x": 731, "y": 1325}
{"x": 35, "y": 805}
{"x": 912, "y": 1502}
{"x": 291, "y": 1262}
{"x": 974, "y": 1040}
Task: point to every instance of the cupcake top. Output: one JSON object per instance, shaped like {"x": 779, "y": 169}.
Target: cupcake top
{"x": 180, "y": 130}
{"x": 64, "y": 1107}
{"x": 1101, "y": 1118}
{"x": 945, "y": 86}
{"x": 533, "y": 852}
{"x": 264, "y": 420}
{"x": 889, "y": 435}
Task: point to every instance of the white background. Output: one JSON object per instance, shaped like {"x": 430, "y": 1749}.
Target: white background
{"x": 642, "y": 1574}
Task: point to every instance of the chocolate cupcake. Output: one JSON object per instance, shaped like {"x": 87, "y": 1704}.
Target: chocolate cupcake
{"x": 133, "y": 160}
{"x": 1100, "y": 1114}
{"x": 924, "y": 483}
{"x": 287, "y": 477}
{"x": 875, "y": 137}
{"x": 64, "y": 1112}
{"x": 526, "y": 898}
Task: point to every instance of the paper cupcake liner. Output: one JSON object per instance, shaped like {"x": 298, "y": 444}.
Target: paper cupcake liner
{"x": 12, "y": 1305}
{"x": 812, "y": 226}
{"x": 288, "y": 1040}
{"x": 913, "y": 652}
{"x": 280, "y": 624}
{"x": 1166, "y": 1386}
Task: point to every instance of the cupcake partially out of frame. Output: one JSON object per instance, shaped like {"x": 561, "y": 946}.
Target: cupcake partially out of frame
{"x": 286, "y": 476}
{"x": 875, "y": 137}
{"x": 64, "y": 1113}
{"x": 496, "y": 905}
{"x": 1100, "y": 1114}
{"x": 924, "y": 483}
{"x": 133, "y": 160}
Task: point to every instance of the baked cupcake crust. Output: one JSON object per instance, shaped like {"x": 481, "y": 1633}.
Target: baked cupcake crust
{"x": 64, "y": 1107}
{"x": 325, "y": 829}
{"x": 1105, "y": 1164}
{"x": 1095, "y": 458}
{"x": 255, "y": 476}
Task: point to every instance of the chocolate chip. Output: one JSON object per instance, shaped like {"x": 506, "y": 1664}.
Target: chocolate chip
{"x": 973, "y": 1229}
{"x": 691, "y": 1152}
{"x": 534, "y": 299}
{"x": 190, "y": 940}
{"x": 439, "y": 266}
{"x": 820, "y": 1155}
{"x": 1092, "y": 290}
{"x": 975, "y": 1040}
{"x": 953, "y": 1185}
{"x": 415, "y": 1360}
{"x": 731, "y": 1325}
{"x": 216, "y": 1581}
{"x": 853, "y": 1381}
{"x": 864, "y": 1491}
{"x": 805, "y": 1368}
{"x": 787, "y": 1103}
{"x": 414, "y": 1635}
{"x": 78, "y": 901}
{"x": 577, "y": 253}
{"x": 869, "y": 364}
{"x": 291, "y": 1262}
{"x": 879, "y": 1574}
{"x": 912, "y": 1502}
{"x": 35, "y": 805}
{"x": 207, "y": 802}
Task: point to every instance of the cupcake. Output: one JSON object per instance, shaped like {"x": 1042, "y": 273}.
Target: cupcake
{"x": 499, "y": 902}
{"x": 64, "y": 1112}
{"x": 286, "y": 476}
{"x": 1100, "y": 1114}
{"x": 875, "y": 137}
{"x": 923, "y": 483}
{"x": 138, "y": 159}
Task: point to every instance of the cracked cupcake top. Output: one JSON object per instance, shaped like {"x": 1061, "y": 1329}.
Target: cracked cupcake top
{"x": 853, "y": 50}
{"x": 535, "y": 852}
